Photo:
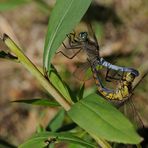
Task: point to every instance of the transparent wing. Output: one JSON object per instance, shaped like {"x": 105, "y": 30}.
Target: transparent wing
{"x": 113, "y": 75}
{"x": 92, "y": 33}
{"x": 108, "y": 78}
{"x": 83, "y": 71}
{"x": 131, "y": 113}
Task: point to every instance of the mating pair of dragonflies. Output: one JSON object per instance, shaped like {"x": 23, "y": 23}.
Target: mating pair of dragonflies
{"x": 124, "y": 75}
{"x": 125, "y": 79}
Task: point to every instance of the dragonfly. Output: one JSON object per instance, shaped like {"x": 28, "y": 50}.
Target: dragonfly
{"x": 91, "y": 48}
{"x": 123, "y": 90}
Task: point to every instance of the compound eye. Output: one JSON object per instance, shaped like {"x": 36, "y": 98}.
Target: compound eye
{"x": 83, "y": 35}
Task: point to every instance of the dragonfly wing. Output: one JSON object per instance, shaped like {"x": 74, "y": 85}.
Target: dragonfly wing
{"x": 90, "y": 29}
{"x": 112, "y": 75}
{"x": 83, "y": 72}
{"x": 131, "y": 113}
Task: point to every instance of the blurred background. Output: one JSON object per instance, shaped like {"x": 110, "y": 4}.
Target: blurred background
{"x": 122, "y": 32}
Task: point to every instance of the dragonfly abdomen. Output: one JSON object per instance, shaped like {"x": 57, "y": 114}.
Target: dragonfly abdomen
{"x": 121, "y": 92}
{"x": 108, "y": 65}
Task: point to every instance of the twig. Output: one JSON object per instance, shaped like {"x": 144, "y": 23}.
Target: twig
{"x": 35, "y": 72}
{"x": 143, "y": 70}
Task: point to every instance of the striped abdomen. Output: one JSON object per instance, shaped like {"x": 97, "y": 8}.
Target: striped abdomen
{"x": 121, "y": 92}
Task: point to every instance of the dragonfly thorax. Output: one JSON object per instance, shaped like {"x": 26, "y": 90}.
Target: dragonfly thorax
{"x": 92, "y": 55}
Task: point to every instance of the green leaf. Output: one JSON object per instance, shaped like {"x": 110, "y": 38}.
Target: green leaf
{"x": 64, "y": 17}
{"x": 57, "y": 121}
{"x": 58, "y": 83}
{"x": 42, "y": 102}
{"x": 40, "y": 129}
{"x": 43, "y": 5}
{"x": 89, "y": 91}
{"x": 99, "y": 118}
{"x": 38, "y": 141}
{"x": 67, "y": 127}
{"x": 10, "y": 4}
{"x": 71, "y": 145}
{"x": 5, "y": 52}
{"x": 81, "y": 92}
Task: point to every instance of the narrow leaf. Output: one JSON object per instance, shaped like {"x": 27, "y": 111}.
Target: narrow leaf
{"x": 5, "y": 52}
{"x": 81, "y": 92}
{"x": 71, "y": 145}
{"x": 10, "y": 4}
{"x": 100, "y": 118}
{"x": 39, "y": 140}
{"x": 43, "y": 5}
{"x": 42, "y": 102}
{"x": 64, "y": 17}
{"x": 57, "y": 121}
{"x": 40, "y": 129}
{"x": 59, "y": 84}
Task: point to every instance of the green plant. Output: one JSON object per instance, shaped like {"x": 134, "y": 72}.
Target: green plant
{"x": 7, "y": 4}
{"x": 92, "y": 114}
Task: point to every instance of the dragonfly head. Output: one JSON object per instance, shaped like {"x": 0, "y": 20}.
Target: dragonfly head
{"x": 83, "y": 36}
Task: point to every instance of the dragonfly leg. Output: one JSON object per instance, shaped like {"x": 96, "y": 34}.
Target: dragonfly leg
{"x": 108, "y": 77}
{"x": 122, "y": 75}
{"x": 72, "y": 39}
{"x": 67, "y": 55}
{"x": 72, "y": 34}
{"x": 73, "y": 42}
{"x": 71, "y": 46}
{"x": 117, "y": 74}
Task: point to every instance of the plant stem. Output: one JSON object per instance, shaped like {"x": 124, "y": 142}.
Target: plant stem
{"x": 143, "y": 72}
{"x": 103, "y": 143}
{"x": 35, "y": 72}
